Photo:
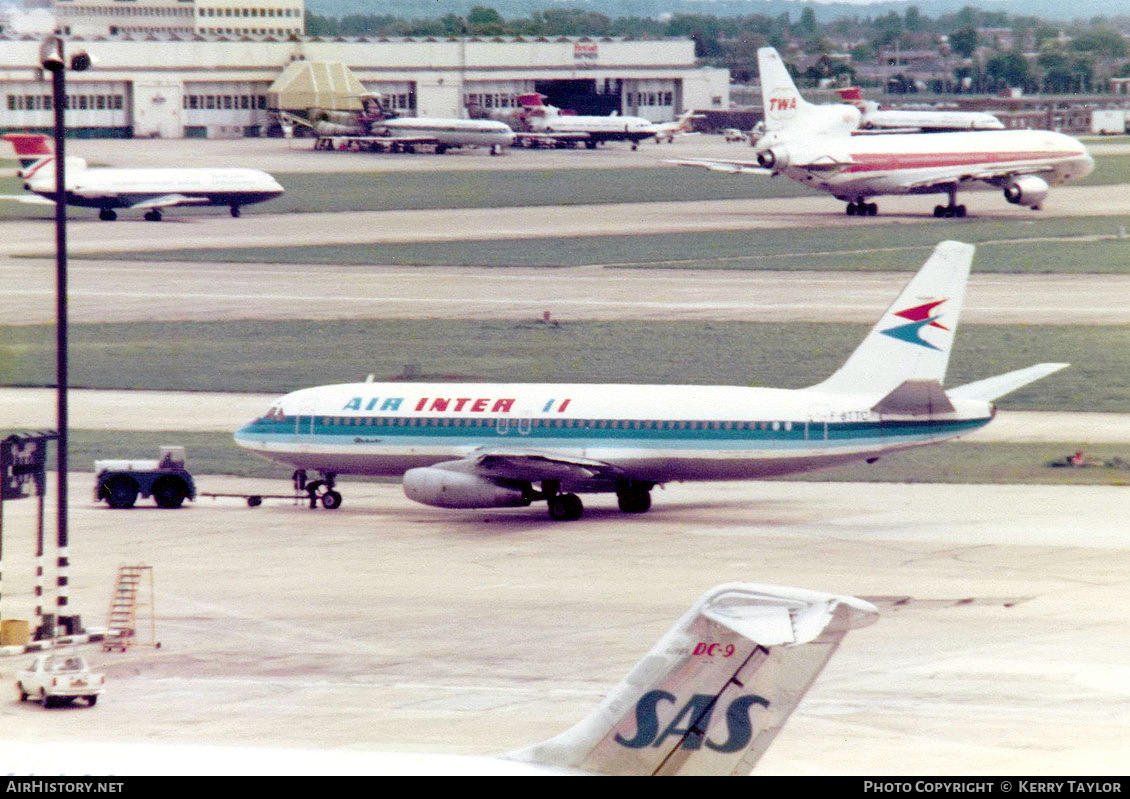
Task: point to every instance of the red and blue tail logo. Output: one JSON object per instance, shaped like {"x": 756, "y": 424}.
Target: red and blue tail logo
{"x": 920, "y": 316}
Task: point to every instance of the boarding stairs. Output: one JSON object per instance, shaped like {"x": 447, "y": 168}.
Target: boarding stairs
{"x": 131, "y": 603}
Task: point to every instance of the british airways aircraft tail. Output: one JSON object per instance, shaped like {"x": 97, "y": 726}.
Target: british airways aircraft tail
{"x": 712, "y": 694}
{"x": 913, "y": 338}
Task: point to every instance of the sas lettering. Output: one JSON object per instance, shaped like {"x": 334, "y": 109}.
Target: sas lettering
{"x": 692, "y": 722}
{"x": 714, "y": 650}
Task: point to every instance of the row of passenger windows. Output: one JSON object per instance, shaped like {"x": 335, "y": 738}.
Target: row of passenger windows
{"x": 586, "y": 424}
{"x": 224, "y": 102}
{"x": 81, "y": 102}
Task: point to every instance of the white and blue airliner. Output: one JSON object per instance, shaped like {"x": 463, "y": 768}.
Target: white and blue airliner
{"x": 484, "y": 445}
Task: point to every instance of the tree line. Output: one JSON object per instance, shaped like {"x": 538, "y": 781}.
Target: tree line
{"x": 1042, "y": 56}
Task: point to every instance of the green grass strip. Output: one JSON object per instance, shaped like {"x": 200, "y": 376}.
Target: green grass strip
{"x": 280, "y": 356}
{"x": 1052, "y": 245}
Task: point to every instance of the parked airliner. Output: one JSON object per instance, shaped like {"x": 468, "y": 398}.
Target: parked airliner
{"x": 135, "y": 189}
{"x": 814, "y": 145}
{"x": 461, "y": 445}
{"x": 911, "y": 120}
{"x": 708, "y": 699}
{"x": 544, "y": 122}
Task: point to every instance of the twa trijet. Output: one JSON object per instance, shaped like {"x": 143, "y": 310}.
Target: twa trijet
{"x": 481, "y": 445}
{"x": 814, "y": 145}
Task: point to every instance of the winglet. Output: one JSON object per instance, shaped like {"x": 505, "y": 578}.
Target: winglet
{"x": 713, "y": 693}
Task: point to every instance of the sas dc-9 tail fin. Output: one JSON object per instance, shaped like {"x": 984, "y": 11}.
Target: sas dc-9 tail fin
{"x": 712, "y": 694}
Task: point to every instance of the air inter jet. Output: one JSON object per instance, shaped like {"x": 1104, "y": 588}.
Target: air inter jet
{"x": 814, "y": 145}
{"x": 149, "y": 190}
{"x": 708, "y": 699}
{"x": 462, "y": 445}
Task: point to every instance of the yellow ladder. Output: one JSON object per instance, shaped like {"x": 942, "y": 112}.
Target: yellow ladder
{"x": 133, "y": 592}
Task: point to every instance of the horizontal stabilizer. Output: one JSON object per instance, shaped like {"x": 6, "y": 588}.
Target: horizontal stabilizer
{"x": 733, "y": 167}
{"x": 992, "y": 387}
{"x": 713, "y": 693}
{"x": 31, "y": 199}
{"x": 915, "y": 398}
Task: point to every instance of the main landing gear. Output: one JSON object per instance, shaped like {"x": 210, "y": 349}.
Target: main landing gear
{"x": 860, "y": 208}
{"x": 318, "y": 490}
{"x": 631, "y": 496}
{"x": 951, "y": 211}
{"x": 107, "y": 214}
{"x": 153, "y": 216}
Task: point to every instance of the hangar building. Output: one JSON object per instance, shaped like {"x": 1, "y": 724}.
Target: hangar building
{"x": 213, "y": 80}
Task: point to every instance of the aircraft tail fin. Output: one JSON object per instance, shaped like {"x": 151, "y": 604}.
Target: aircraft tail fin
{"x": 713, "y": 693}
{"x": 913, "y": 338}
{"x": 31, "y": 149}
{"x": 780, "y": 97}
{"x": 991, "y": 388}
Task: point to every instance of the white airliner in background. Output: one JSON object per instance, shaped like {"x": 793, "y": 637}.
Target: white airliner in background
{"x": 669, "y": 131}
{"x": 135, "y": 189}
{"x": 909, "y": 120}
{"x": 546, "y": 123}
{"x": 708, "y": 699}
{"x": 814, "y": 145}
{"x": 376, "y": 127}
{"x": 462, "y": 445}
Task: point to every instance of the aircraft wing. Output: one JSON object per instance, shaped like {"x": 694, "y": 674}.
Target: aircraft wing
{"x": 389, "y": 139}
{"x": 553, "y": 137}
{"x": 987, "y": 175}
{"x": 534, "y": 466}
{"x": 33, "y": 199}
{"x": 167, "y": 200}
{"x": 750, "y": 167}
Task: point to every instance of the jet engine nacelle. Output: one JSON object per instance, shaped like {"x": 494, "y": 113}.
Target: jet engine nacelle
{"x": 444, "y": 488}
{"x": 1027, "y": 190}
{"x": 333, "y": 129}
{"x": 776, "y": 158}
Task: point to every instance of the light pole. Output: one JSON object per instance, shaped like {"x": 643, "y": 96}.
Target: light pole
{"x": 51, "y": 56}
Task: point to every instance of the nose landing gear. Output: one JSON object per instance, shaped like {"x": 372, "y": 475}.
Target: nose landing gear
{"x": 318, "y": 490}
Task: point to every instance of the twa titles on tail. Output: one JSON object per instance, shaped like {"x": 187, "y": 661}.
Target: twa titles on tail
{"x": 460, "y": 445}
{"x": 814, "y": 145}
{"x": 110, "y": 189}
{"x": 708, "y": 699}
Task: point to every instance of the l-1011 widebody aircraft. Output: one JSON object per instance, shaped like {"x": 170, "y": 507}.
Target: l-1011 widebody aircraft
{"x": 137, "y": 189}
{"x": 708, "y": 699}
{"x": 814, "y": 145}
{"x": 461, "y": 445}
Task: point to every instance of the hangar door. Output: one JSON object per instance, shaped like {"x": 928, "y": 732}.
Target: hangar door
{"x": 586, "y": 96}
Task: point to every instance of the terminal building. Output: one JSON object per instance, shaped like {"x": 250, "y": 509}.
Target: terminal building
{"x": 205, "y": 68}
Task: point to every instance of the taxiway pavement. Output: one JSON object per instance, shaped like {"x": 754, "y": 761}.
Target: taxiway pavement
{"x": 386, "y": 625}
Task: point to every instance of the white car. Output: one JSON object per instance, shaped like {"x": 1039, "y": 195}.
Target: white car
{"x": 733, "y": 134}
{"x": 59, "y": 680}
